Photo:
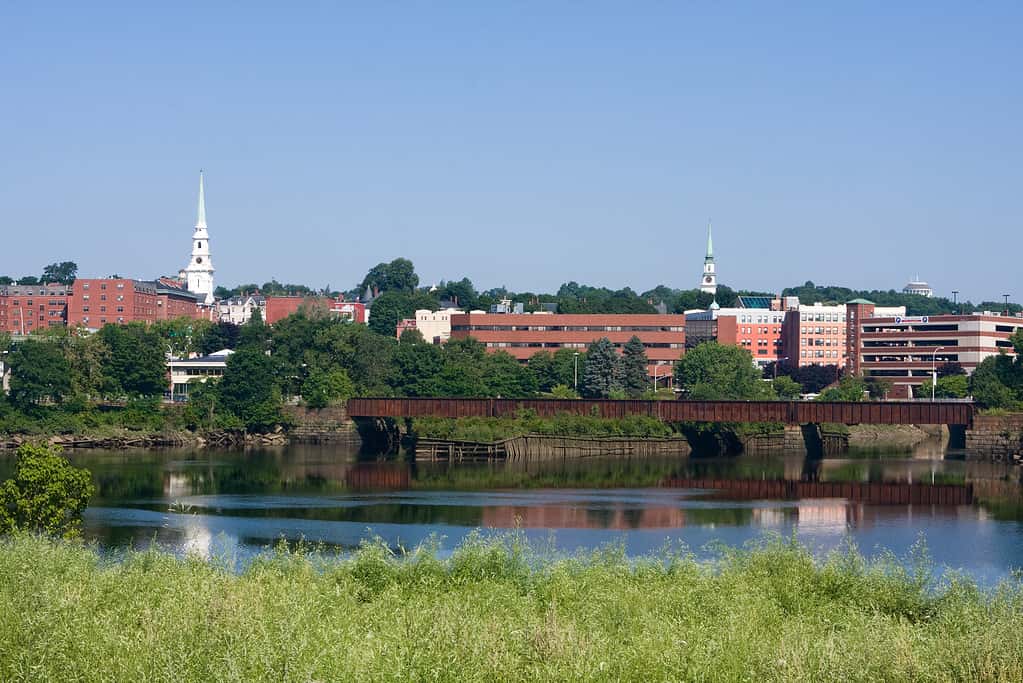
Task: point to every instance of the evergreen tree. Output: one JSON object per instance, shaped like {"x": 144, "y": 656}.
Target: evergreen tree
{"x": 602, "y": 371}
{"x": 635, "y": 380}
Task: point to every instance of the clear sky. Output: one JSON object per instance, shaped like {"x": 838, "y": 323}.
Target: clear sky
{"x": 519, "y": 143}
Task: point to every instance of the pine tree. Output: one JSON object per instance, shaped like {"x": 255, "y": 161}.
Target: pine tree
{"x": 602, "y": 370}
{"x": 633, "y": 368}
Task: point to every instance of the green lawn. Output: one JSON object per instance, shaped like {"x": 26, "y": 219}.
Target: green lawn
{"x": 496, "y": 612}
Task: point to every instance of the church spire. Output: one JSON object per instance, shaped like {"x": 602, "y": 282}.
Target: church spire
{"x": 709, "y": 280}
{"x": 710, "y": 244}
{"x": 200, "y": 222}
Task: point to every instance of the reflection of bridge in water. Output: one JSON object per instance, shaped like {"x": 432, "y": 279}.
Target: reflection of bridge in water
{"x": 877, "y": 493}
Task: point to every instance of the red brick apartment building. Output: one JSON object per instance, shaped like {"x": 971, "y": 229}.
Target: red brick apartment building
{"x": 758, "y": 330}
{"x": 903, "y": 350}
{"x": 26, "y": 308}
{"x": 523, "y": 334}
{"x": 97, "y": 302}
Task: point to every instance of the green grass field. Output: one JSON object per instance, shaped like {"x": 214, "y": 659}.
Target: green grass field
{"x": 495, "y": 611}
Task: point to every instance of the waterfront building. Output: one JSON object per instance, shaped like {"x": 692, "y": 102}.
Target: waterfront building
{"x": 26, "y": 308}
{"x": 817, "y": 334}
{"x": 758, "y": 330}
{"x": 435, "y": 326}
{"x": 709, "y": 280}
{"x": 184, "y": 371}
{"x": 198, "y": 274}
{"x": 523, "y": 334}
{"x": 903, "y": 350}
{"x": 918, "y": 286}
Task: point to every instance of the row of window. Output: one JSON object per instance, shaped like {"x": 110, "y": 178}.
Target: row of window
{"x": 820, "y": 354}
{"x": 565, "y": 328}
{"x": 779, "y": 318}
{"x": 823, "y": 330}
{"x": 760, "y": 330}
{"x": 571, "y": 345}
{"x": 822, "y": 317}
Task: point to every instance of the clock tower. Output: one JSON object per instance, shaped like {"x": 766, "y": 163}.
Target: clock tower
{"x": 198, "y": 274}
{"x": 709, "y": 282}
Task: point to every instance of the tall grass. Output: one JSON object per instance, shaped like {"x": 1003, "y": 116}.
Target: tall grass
{"x": 496, "y": 611}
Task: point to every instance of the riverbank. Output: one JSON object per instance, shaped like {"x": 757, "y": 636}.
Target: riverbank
{"x": 494, "y": 611}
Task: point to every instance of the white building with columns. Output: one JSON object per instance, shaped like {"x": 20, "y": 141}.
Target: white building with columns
{"x": 198, "y": 274}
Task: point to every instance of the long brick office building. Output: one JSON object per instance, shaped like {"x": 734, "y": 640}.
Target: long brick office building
{"x": 523, "y": 334}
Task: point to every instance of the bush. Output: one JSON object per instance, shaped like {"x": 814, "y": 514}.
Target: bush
{"x": 45, "y": 495}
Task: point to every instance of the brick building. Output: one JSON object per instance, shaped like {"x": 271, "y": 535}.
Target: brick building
{"x": 26, "y": 308}
{"x": 523, "y": 334}
{"x": 903, "y": 350}
{"x": 174, "y": 301}
{"x": 99, "y": 301}
{"x": 758, "y": 330}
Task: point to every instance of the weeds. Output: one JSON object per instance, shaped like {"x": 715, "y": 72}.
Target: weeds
{"x": 497, "y": 609}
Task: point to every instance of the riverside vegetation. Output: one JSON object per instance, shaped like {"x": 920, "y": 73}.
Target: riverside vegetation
{"x": 498, "y": 610}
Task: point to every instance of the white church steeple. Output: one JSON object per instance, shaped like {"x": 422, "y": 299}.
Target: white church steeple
{"x": 709, "y": 283}
{"x": 198, "y": 275}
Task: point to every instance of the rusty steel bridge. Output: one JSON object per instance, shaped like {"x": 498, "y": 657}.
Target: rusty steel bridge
{"x": 786, "y": 412}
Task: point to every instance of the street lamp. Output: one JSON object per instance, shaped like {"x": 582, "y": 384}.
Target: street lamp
{"x": 776, "y": 366}
{"x": 575, "y": 370}
{"x": 1006, "y": 297}
{"x": 955, "y": 300}
{"x": 934, "y": 372}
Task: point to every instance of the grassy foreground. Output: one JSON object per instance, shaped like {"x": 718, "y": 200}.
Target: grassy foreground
{"x": 496, "y": 612}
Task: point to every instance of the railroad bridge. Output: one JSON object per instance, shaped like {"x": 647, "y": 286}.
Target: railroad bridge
{"x": 787, "y": 412}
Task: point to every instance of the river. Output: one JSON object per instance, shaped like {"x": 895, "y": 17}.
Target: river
{"x": 233, "y": 504}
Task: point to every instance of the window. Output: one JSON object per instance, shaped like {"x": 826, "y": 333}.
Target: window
{"x": 120, "y": 285}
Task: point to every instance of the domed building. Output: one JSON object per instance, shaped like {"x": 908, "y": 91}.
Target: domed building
{"x": 918, "y": 286}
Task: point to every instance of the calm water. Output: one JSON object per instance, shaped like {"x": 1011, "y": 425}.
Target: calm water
{"x": 237, "y": 503}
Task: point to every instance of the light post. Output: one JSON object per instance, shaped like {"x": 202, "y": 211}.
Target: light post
{"x": 776, "y": 366}
{"x": 955, "y": 300}
{"x": 575, "y": 371}
{"x": 1006, "y": 297}
{"x": 934, "y": 372}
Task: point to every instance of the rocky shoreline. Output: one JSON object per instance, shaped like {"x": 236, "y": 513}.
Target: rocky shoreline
{"x": 134, "y": 440}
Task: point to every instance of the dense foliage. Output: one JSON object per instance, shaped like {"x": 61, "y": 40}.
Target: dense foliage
{"x": 998, "y": 380}
{"x": 916, "y": 304}
{"x": 714, "y": 372}
{"x": 45, "y": 495}
{"x": 496, "y": 610}
{"x": 491, "y": 429}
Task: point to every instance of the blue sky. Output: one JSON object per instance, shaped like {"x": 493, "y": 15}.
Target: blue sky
{"x": 521, "y": 144}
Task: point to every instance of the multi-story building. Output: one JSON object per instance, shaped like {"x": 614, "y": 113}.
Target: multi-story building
{"x": 758, "y": 330}
{"x": 523, "y": 334}
{"x": 239, "y": 309}
{"x": 98, "y": 301}
{"x": 174, "y": 301}
{"x": 435, "y": 326}
{"x": 814, "y": 334}
{"x": 905, "y": 350}
{"x": 26, "y": 308}
{"x": 186, "y": 371}
{"x": 353, "y": 311}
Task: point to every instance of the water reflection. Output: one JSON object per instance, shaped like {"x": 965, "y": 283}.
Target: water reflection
{"x": 212, "y": 503}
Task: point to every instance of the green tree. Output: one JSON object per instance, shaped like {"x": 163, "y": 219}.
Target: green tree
{"x": 249, "y": 391}
{"x": 415, "y": 366}
{"x": 219, "y": 336}
{"x": 462, "y": 292}
{"x": 323, "y": 388}
{"x": 950, "y": 386}
{"x": 46, "y": 494}
{"x": 989, "y": 383}
{"x": 63, "y": 272}
{"x": 786, "y": 388}
{"x": 39, "y": 372}
{"x": 635, "y": 380}
{"x": 397, "y": 276}
{"x": 601, "y": 374}
{"x": 463, "y": 373}
{"x": 550, "y": 370}
{"x": 713, "y": 371}
{"x": 506, "y": 377}
{"x": 136, "y": 364}
{"x": 850, "y": 388}
{"x": 393, "y": 306}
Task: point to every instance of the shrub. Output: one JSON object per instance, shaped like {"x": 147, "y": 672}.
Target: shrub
{"x": 46, "y": 494}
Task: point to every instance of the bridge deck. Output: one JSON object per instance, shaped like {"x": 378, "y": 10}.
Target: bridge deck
{"x": 787, "y": 412}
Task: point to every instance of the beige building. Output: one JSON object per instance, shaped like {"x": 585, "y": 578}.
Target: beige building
{"x": 435, "y": 326}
